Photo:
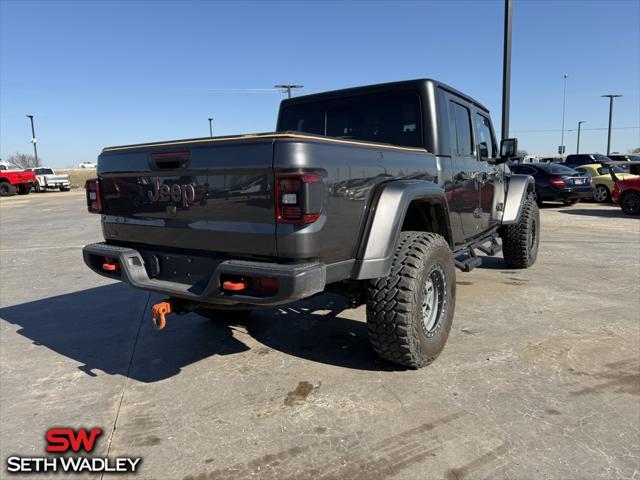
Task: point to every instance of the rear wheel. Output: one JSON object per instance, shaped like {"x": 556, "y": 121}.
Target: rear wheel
{"x": 630, "y": 202}
{"x": 24, "y": 189}
{"x": 520, "y": 240}
{"x": 6, "y": 189}
{"x": 409, "y": 312}
{"x": 602, "y": 194}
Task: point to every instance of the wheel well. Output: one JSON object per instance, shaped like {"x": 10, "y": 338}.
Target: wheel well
{"x": 427, "y": 215}
{"x": 629, "y": 191}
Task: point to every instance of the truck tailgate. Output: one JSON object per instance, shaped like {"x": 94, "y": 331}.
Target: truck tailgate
{"x": 207, "y": 196}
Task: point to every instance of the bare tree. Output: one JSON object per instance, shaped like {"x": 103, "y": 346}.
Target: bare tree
{"x": 636, "y": 150}
{"x": 522, "y": 153}
{"x": 22, "y": 160}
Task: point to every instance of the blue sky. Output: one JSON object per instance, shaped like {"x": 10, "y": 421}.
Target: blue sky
{"x": 96, "y": 74}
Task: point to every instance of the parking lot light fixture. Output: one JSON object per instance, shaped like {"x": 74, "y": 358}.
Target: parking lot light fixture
{"x": 610, "y": 97}
{"x": 287, "y": 88}
{"x": 578, "y": 145}
{"x": 564, "y": 103}
{"x": 34, "y": 141}
{"x": 210, "y": 127}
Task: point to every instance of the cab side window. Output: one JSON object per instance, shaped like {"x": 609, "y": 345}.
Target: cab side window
{"x": 462, "y": 120}
{"x": 486, "y": 145}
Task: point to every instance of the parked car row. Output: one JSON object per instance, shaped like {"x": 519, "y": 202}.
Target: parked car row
{"x": 22, "y": 182}
{"x": 587, "y": 176}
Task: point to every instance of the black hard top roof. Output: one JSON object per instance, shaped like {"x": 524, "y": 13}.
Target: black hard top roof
{"x": 377, "y": 88}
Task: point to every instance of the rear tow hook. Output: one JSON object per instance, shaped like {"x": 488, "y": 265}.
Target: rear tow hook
{"x": 159, "y": 310}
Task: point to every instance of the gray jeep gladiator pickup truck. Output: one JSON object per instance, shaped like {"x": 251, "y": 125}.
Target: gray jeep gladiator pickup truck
{"x": 377, "y": 192}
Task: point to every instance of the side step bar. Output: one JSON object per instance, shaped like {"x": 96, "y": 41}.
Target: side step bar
{"x": 467, "y": 259}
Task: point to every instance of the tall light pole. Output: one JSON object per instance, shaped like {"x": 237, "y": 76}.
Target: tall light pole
{"x": 33, "y": 140}
{"x": 610, "y": 97}
{"x": 564, "y": 103}
{"x": 506, "y": 68}
{"x": 288, "y": 88}
{"x": 578, "y": 145}
{"x": 210, "y": 127}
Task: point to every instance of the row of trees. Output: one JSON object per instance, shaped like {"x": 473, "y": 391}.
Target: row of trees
{"x": 23, "y": 160}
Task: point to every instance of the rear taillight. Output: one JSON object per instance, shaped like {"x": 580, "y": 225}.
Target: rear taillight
{"x": 94, "y": 202}
{"x": 298, "y": 198}
{"x": 557, "y": 182}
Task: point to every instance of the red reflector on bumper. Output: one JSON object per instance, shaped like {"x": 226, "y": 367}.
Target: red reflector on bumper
{"x": 234, "y": 286}
{"x": 110, "y": 266}
{"x": 268, "y": 284}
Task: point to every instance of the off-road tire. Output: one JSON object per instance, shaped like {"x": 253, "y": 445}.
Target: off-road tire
{"x": 520, "y": 240}
{"x": 630, "y": 202}
{"x": 395, "y": 311}
{"x": 65, "y": 189}
{"x": 602, "y": 198}
{"x": 7, "y": 190}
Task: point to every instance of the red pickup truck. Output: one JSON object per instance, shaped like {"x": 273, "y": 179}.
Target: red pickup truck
{"x": 15, "y": 181}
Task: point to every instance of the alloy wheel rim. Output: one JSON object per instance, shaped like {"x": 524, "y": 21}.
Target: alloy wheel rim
{"x": 433, "y": 301}
{"x": 600, "y": 194}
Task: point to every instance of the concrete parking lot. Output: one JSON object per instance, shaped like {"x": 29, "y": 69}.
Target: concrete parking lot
{"x": 540, "y": 377}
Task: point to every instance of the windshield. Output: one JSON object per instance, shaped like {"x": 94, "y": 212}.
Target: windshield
{"x": 605, "y": 170}
{"x": 386, "y": 118}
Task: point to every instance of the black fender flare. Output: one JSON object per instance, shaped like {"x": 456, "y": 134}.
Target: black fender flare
{"x": 384, "y": 223}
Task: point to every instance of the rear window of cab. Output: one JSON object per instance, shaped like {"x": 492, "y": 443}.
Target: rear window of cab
{"x": 393, "y": 118}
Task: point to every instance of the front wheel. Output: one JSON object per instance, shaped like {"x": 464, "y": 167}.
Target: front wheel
{"x": 410, "y": 311}
{"x": 520, "y": 240}
{"x": 6, "y": 189}
{"x": 601, "y": 194}
{"x": 630, "y": 202}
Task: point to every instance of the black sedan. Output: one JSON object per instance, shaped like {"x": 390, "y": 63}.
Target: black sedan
{"x": 556, "y": 182}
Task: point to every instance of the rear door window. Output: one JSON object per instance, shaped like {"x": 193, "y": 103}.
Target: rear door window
{"x": 462, "y": 121}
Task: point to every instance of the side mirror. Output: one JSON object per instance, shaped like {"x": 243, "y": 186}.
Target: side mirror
{"x": 508, "y": 148}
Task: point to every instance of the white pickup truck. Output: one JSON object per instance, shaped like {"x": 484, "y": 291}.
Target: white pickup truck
{"x": 48, "y": 180}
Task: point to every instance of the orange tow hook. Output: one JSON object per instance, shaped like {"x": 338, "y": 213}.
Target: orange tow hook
{"x": 159, "y": 310}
